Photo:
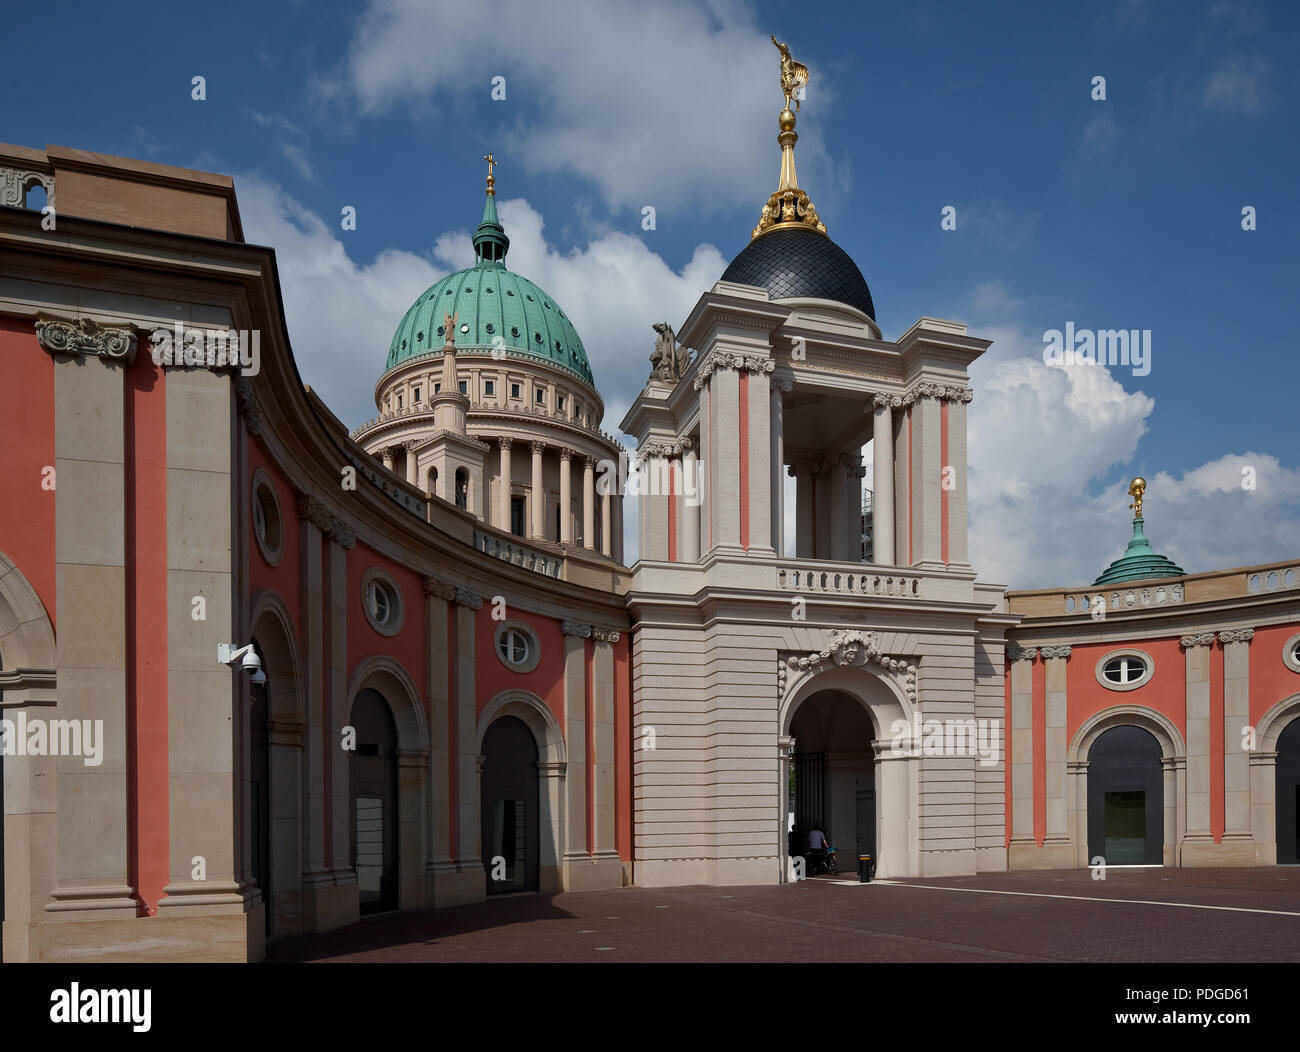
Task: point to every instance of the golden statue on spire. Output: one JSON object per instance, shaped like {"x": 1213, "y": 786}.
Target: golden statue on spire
{"x": 789, "y": 207}
{"x": 491, "y": 179}
{"x": 1136, "y": 489}
{"x": 794, "y": 75}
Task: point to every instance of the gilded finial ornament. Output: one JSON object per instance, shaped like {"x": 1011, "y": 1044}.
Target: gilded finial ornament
{"x": 1136, "y": 489}
{"x": 789, "y": 207}
{"x": 491, "y": 179}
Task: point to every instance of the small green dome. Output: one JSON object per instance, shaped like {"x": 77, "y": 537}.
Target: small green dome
{"x": 1139, "y": 562}
{"x": 494, "y": 308}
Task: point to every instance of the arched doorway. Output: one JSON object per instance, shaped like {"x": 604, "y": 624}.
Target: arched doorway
{"x": 509, "y": 807}
{"x": 1126, "y": 798}
{"x": 1287, "y": 796}
{"x": 259, "y": 786}
{"x": 832, "y": 780}
{"x": 374, "y": 817}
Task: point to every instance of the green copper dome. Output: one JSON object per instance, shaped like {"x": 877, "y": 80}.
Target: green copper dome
{"x": 1139, "y": 562}
{"x": 494, "y": 308}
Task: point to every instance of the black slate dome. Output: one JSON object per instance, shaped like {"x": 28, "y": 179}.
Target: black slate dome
{"x": 790, "y": 263}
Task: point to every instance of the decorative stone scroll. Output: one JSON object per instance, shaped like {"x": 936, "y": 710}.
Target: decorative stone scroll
{"x": 885, "y": 401}
{"x": 14, "y": 183}
{"x": 726, "y": 360}
{"x": 940, "y": 392}
{"x": 1055, "y": 652}
{"x": 576, "y": 628}
{"x": 1201, "y": 639}
{"x": 249, "y": 411}
{"x": 318, "y": 515}
{"x": 854, "y": 649}
{"x": 440, "y": 589}
{"x": 1236, "y": 635}
{"x": 1015, "y": 652}
{"x": 464, "y": 597}
{"x": 668, "y": 449}
{"x": 87, "y": 336}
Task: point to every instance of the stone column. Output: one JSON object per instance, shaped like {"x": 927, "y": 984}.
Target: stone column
{"x": 606, "y": 522}
{"x": 688, "y": 545}
{"x": 503, "y": 498}
{"x": 957, "y": 496}
{"x": 92, "y": 881}
{"x": 724, "y": 391}
{"x": 318, "y": 914}
{"x": 575, "y": 738}
{"x": 927, "y": 482}
{"x": 823, "y": 516}
{"x": 606, "y": 746}
{"x": 550, "y": 822}
{"x": 438, "y": 865}
{"x": 837, "y": 482}
{"x": 387, "y": 455}
{"x": 882, "y": 482}
{"x": 1022, "y": 752}
{"x": 468, "y": 827}
{"x": 537, "y": 498}
{"x": 618, "y": 527}
{"x": 566, "y": 498}
{"x": 1238, "y": 839}
{"x": 412, "y": 468}
{"x": 1058, "y": 808}
{"x": 1197, "y": 841}
{"x": 804, "y": 503}
{"x": 589, "y": 503}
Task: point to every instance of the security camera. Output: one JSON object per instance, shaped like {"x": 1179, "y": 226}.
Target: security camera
{"x": 228, "y": 653}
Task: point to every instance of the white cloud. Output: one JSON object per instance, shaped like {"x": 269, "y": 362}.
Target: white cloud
{"x": 1051, "y": 451}
{"x": 1240, "y": 85}
{"x": 1099, "y": 136}
{"x": 625, "y": 94}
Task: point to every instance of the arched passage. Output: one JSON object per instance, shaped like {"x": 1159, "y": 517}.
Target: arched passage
{"x": 509, "y": 796}
{"x": 892, "y": 806}
{"x": 1274, "y": 776}
{"x": 374, "y": 811}
{"x": 27, "y": 683}
{"x": 549, "y": 765}
{"x": 277, "y": 768}
{"x": 1172, "y": 760}
{"x": 1125, "y": 798}
{"x": 402, "y": 742}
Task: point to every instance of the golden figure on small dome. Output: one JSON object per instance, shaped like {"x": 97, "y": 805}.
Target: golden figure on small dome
{"x": 1135, "y": 490}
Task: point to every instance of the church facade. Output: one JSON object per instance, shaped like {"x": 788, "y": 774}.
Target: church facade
{"x": 262, "y": 675}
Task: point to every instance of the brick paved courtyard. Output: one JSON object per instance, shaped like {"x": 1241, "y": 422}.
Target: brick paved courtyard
{"x": 1178, "y": 915}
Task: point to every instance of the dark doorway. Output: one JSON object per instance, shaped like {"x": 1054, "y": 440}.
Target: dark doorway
{"x": 374, "y": 802}
{"x": 517, "y": 516}
{"x": 1288, "y": 794}
{"x": 259, "y": 779}
{"x": 509, "y": 807}
{"x": 833, "y": 776}
{"x": 1126, "y": 798}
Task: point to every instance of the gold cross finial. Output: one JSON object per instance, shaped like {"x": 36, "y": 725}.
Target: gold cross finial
{"x": 491, "y": 179}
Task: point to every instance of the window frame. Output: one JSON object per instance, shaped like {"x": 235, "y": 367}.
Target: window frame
{"x": 1147, "y": 660}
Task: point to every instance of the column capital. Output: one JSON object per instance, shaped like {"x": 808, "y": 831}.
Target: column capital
{"x": 1055, "y": 652}
{"x": 566, "y": 453}
{"x": 536, "y": 446}
{"x": 438, "y": 588}
{"x": 87, "y": 337}
{"x": 1201, "y": 639}
{"x": 1236, "y": 635}
{"x": 576, "y": 628}
{"x": 506, "y": 441}
{"x": 1015, "y": 652}
{"x": 884, "y": 401}
{"x": 464, "y": 597}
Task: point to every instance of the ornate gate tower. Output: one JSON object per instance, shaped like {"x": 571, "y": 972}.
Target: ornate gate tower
{"x": 758, "y": 672}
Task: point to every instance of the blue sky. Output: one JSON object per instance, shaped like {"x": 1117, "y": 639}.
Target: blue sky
{"x": 1123, "y": 213}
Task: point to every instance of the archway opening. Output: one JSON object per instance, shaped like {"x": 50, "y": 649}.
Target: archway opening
{"x": 510, "y": 805}
{"x": 1288, "y": 795}
{"x": 832, "y": 780}
{"x": 259, "y": 786}
{"x": 1125, "y": 798}
{"x": 374, "y": 802}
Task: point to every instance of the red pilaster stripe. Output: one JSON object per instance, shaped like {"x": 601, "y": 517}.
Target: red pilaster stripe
{"x": 672, "y": 511}
{"x": 744, "y": 458}
{"x": 588, "y": 676}
{"x": 452, "y": 688}
{"x": 145, "y": 438}
{"x": 943, "y": 467}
